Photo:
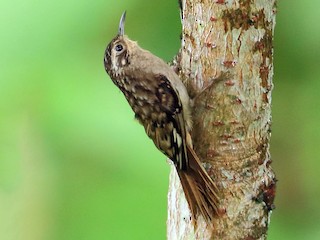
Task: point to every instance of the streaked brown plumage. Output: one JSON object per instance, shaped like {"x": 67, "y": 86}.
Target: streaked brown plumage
{"x": 162, "y": 105}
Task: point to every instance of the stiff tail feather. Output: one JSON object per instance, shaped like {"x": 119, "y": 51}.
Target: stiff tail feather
{"x": 200, "y": 191}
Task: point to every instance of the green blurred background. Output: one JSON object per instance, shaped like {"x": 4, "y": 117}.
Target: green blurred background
{"x": 73, "y": 162}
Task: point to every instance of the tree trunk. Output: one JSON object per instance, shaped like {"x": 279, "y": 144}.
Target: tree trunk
{"x": 226, "y": 63}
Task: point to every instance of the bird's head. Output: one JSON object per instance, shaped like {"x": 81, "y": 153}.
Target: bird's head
{"x": 117, "y": 53}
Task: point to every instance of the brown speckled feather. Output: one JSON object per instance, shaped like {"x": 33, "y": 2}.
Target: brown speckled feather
{"x": 162, "y": 105}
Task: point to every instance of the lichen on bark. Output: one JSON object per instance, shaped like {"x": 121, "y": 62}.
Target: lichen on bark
{"x": 226, "y": 49}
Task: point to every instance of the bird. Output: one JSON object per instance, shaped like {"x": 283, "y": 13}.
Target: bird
{"x": 163, "y": 107}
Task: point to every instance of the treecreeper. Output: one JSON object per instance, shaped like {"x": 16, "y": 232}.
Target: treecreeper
{"x": 162, "y": 105}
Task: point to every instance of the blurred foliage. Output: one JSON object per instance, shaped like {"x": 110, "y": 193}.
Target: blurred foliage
{"x": 73, "y": 162}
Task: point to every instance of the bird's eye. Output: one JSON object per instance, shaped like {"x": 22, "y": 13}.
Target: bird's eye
{"x": 118, "y": 47}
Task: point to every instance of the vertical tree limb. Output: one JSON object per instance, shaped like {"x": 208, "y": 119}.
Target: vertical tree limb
{"x": 227, "y": 50}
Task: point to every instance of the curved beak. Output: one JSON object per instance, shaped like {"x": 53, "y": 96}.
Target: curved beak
{"x": 121, "y": 24}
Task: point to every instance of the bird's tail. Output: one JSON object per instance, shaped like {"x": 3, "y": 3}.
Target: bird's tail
{"x": 200, "y": 191}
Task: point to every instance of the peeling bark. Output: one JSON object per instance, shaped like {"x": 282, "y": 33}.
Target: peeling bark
{"x": 226, "y": 55}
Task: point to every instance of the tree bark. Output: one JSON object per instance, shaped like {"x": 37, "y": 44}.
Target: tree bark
{"x": 227, "y": 64}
